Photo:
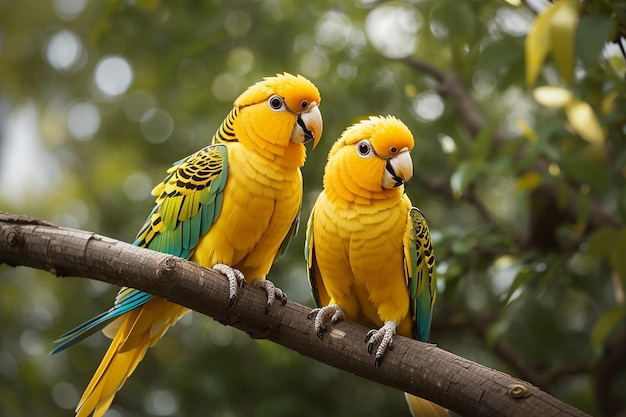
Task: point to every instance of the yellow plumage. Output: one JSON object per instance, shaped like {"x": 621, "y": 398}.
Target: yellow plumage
{"x": 368, "y": 251}
{"x": 233, "y": 203}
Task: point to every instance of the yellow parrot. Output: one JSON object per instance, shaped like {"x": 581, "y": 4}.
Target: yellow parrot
{"x": 368, "y": 251}
{"x": 232, "y": 206}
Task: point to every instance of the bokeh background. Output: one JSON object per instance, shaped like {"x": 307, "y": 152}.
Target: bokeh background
{"x": 525, "y": 197}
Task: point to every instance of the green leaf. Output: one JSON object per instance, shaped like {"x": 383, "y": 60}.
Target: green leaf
{"x": 482, "y": 144}
{"x": 502, "y": 54}
{"x": 602, "y": 242}
{"x": 148, "y": 4}
{"x": 618, "y": 257}
{"x": 621, "y": 205}
{"x": 524, "y": 275}
{"x": 592, "y": 33}
{"x": 506, "y": 154}
{"x": 605, "y": 325}
{"x": 465, "y": 173}
{"x": 582, "y": 208}
{"x": 562, "y": 194}
{"x": 585, "y": 171}
{"x": 527, "y": 159}
{"x": 461, "y": 246}
{"x": 496, "y": 330}
{"x": 457, "y": 16}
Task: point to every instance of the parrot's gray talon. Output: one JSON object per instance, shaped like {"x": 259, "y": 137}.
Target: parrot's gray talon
{"x": 331, "y": 313}
{"x": 312, "y": 313}
{"x": 273, "y": 292}
{"x": 368, "y": 336}
{"x": 378, "y": 360}
{"x": 384, "y": 338}
{"x": 235, "y": 278}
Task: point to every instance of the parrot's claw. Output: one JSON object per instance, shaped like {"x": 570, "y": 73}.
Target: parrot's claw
{"x": 384, "y": 335}
{"x": 332, "y": 312}
{"x": 235, "y": 278}
{"x": 273, "y": 292}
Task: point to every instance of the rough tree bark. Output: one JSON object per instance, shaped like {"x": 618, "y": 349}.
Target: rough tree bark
{"x": 458, "y": 384}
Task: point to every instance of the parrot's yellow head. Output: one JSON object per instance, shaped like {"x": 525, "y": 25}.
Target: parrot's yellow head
{"x": 282, "y": 112}
{"x": 371, "y": 159}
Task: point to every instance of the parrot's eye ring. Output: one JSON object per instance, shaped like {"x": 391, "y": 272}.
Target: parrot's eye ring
{"x": 304, "y": 104}
{"x": 393, "y": 149}
{"x": 276, "y": 103}
{"x": 364, "y": 148}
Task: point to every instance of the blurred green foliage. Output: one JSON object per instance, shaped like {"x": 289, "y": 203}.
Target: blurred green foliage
{"x": 527, "y": 217}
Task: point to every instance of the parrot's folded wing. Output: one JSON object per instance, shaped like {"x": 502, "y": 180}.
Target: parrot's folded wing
{"x": 318, "y": 290}
{"x": 420, "y": 273}
{"x": 293, "y": 231}
{"x": 189, "y": 200}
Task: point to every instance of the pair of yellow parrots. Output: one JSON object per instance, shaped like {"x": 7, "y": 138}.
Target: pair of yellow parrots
{"x": 235, "y": 204}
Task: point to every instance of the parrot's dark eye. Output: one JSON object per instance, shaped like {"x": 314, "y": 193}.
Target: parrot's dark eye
{"x": 364, "y": 148}
{"x": 304, "y": 104}
{"x": 275, "y": 102}
{"x": 393, "y": 149}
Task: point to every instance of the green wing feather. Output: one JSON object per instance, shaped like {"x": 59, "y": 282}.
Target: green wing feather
{"x": 318, "y": 290}
{"x": 293, "y": 231}
{"x": 188, "y": 202}
{"x": 420, "y": 273}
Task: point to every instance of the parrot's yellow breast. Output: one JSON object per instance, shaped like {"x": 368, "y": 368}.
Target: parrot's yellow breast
{"x": 261, "y": 201}
{"x": 359, "y": 253}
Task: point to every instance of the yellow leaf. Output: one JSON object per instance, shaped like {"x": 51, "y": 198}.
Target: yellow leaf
{"x": 526, "y": 130}
{"x": 538, "y": 43}
{"x": 410, "y": 90}
{"x": 608, "y": 103}
{"x": 554, "y": 169}
{"x": 584, "y": 121}
{"x": 562, "y": 36}
{"x": 528, "y": 182}
{"x": 554, "y": 97}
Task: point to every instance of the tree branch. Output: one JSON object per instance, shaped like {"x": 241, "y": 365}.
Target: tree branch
{"x": 421, "y": 369}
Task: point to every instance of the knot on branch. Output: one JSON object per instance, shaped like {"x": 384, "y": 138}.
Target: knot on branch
{"x": 518, "y": 391}
{"x": 12, "y": 237}
{"x": 170, "y": 265}
{"x": 58, "y": 272}
{"x": 265, "y": 333}
{"x": 231, "y": 319}
{"x": 166, "y": 270}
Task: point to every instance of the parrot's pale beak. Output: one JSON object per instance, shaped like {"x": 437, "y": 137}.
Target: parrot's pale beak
{"x": 309, "y": 126}
{"x": 398, "y": 170}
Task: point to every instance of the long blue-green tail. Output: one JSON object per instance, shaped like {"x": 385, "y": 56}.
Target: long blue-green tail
{"x": 127, "y": 299}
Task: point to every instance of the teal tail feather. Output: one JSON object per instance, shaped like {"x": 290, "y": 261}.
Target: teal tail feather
{"x": 128, "y": 299}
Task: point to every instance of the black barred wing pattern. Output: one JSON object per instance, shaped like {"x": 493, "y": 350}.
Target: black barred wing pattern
{"x": 188, "y": 201}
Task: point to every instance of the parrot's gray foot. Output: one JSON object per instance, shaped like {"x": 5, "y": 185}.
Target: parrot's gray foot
{"x": 273, "y": 292}
{"x": 384, "y": 335}
{"x": 332, "y": 313}
{"x": 235, "y": 278}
